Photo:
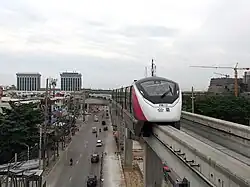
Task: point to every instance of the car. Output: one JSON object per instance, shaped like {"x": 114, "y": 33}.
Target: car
{"x": 105, "y": 128}
{"x": 95, "y": 158}
{"x": 94, "y": 130}
{"x": 95, "y": 119}
{"x": 103, "y": 122}
{"x": 99, "y": 143}
{"x": 92, "y": 181}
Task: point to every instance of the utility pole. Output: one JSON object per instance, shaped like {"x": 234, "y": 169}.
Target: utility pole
{"x": 69, "y": 113}
{"x": 192, "y": 97}
{"x": 40, "y": 146}
{"x": 45, "y": 122}
{"x": 83, "y": 105}
{"x": 28, "y": 152}
{"x": 74, "y": 103}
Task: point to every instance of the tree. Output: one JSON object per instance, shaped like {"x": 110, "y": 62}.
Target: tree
{"x": 18, "y": 126}
{"x": 229, "y": 108}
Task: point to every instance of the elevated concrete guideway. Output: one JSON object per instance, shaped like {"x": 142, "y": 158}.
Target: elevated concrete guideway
{"x": 191, "y": 161}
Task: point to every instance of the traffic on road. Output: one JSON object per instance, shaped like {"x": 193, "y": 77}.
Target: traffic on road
{"x": 81, "y": 165}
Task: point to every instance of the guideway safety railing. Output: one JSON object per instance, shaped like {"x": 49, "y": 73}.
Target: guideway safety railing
{"x": 226, "y": 126}
{"x": 231, "y": 135}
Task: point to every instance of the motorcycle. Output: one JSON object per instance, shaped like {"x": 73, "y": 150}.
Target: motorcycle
{"x": 71, "y": 162}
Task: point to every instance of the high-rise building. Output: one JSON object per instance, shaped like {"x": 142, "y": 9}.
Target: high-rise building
{"x": 71, "y": 81}
{"x": 28, "y": 81}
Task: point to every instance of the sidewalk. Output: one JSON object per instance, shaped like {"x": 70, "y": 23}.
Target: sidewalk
{"x": 112, "y": 168}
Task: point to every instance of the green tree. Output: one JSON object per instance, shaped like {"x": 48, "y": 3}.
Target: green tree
{"x": 18, "y": 125}
{"x": 229, "y": 108}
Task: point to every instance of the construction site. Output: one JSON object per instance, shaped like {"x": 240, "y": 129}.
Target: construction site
{"x": 229, "y": 85}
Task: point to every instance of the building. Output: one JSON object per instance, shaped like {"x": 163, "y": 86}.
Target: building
{"x": 71, "y": 81}
{"x": 28, "y": 81}
{"x": 226, "y": 85}
{"x": 246, "y": 80}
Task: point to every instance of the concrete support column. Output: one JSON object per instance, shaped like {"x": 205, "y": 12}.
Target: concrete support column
{"x": 128, "y": 147}
{"x": 153, "y": 173}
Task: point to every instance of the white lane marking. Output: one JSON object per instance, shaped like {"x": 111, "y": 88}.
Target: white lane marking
{"x": 86, "y": 144}
{"x": 80, "y": 155}
{"x": 70, "y": 178}
{"x": 77, "y": 161}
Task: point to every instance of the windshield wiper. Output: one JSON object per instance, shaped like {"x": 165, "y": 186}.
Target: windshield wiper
{"x": 170, "y": 90}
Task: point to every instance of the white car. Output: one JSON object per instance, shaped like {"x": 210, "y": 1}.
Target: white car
{"x": 99, "y": 143}
{"x": 94, "y": 130}
{"x": 96, "y": 119}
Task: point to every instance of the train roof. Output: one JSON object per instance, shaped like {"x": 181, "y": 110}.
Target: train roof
{"x": 154, "y": 78}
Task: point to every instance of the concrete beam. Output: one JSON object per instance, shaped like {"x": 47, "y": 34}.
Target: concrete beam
{"x": 128, "y": 146}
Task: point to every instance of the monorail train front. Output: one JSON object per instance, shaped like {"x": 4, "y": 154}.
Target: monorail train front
{"x": 156, "y": 100}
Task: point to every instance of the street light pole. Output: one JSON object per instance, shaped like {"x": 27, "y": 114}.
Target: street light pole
{"x": 28, "y": 150}
{"x": 45, "y": 122}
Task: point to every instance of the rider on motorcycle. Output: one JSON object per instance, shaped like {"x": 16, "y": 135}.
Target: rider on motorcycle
{"x": 71, "y": 161}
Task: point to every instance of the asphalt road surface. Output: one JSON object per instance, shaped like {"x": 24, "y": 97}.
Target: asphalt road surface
{"x": 80, "y": 150}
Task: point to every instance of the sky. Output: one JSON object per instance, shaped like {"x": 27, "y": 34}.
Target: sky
{"x": 111, "y": 42}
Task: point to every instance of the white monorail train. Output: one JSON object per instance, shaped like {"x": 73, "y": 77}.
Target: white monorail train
{"x": 156, "y": 100}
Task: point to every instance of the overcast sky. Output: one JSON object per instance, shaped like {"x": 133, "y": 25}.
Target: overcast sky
{"x": 111, "y": 41}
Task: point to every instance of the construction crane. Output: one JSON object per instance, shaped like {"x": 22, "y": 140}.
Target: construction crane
{"x": 235, "y": 74}
{"x": 224, "y": 75}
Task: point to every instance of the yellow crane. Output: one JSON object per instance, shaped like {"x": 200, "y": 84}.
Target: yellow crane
{"x": 224, "y": 75}
{"x": 235, "y": 74}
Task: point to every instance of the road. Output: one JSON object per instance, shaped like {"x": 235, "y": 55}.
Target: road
{"x": 80, "y": 149}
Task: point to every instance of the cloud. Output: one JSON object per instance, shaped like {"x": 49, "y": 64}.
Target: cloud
{"x": 111, "y": 42}
{"x": 149, "y": 31}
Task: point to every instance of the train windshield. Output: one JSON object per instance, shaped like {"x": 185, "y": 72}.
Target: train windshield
{"x": 159, "y": 91}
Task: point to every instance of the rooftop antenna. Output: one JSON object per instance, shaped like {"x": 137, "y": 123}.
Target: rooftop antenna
{"x": 153, "y": 68}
